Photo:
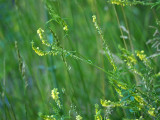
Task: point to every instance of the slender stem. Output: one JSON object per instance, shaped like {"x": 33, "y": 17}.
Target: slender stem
{"x": 120, "y": 27}
{"x": 129, "y": 36}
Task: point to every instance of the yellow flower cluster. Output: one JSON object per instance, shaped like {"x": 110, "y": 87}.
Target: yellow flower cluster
{"x": 42, "y": 37}
{"x": 55, "y": 49}
{"x": 119, "y": 92}
{"x": 122, "y": 86}
{"x": 139, "y": 99}
{"x": 141, "y": 55}
{"x": 78, "y": 117}
{"x": 49, "y": 117}
{"x": 151, "y": 112}
{"x": 65, "y": 28}
{"x": 108, "y": 103}
{"x": 55, "y": 96}
{"x": 97, "y": 111}
{"x": 37, "y": 50}
{"x": 120, "y": 2}
{"x": 105, "y": 103}
{"x": 94, "y": 18}
{"x": 119, "y": 88}
{"x": 96, "y": 25}
{"x": 132, "y": 59}
{"x": 39, "y": 32}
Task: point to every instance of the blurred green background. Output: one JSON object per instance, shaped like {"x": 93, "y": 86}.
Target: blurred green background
{"x": 84, "y": 85}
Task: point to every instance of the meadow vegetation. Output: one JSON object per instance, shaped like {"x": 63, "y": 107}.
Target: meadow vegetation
{"x": 80, "y": 60}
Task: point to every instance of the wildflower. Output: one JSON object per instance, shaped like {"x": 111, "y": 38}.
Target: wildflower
{"x": 39, "y": 52}
{"x": 55, "y": 96}
{"x": 94, "y": 18}
{"x": 106, "y": 103}
{"x": 139, "y": 99}
{"x": 42, "y": 37}
{"x": 132, "y": 59}
{"x": 122, "y": 86}
{"x": 78, "y": 117}
{"x": 49, "y": 118}
{"x": 39, "y": 32}
{"x": 119, "y": 92}
{"x": 141, "y": 55}
{"x": 98, "y": 112}
{"x": 120, "y": 2}
{"x": 151, "y": 112}
{"x": 65, "y": 28}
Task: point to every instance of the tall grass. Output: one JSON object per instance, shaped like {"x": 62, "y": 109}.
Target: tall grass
{"x": 105, "y": 67}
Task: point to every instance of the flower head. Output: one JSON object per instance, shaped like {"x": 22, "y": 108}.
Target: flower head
{"x": 65, "y": 28}
{"x": 94, "y": 18}
{"x": 78, "y": 117}
{"x": 54, "y": 94}
{"x": 141, "y": 55}
{"x": 39, "y": 32}
{"x": 151, "y": 111}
